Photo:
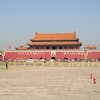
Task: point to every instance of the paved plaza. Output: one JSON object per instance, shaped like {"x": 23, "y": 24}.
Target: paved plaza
{"x": 49, "y": 83}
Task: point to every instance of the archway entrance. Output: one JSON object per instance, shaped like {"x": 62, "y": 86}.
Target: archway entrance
{"x": 65, "y": 59}
{"x": 53, "y": 58}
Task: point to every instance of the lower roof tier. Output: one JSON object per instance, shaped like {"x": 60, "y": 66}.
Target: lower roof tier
{"x": 54, "y": 43}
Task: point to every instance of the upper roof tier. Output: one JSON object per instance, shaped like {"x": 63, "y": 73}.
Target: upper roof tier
{"x": 55, "y": 36}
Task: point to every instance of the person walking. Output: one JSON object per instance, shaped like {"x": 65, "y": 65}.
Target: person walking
{"x": 6, "y": 65}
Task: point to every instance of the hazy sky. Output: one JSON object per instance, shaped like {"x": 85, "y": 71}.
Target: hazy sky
{"x": 19, "y": 19}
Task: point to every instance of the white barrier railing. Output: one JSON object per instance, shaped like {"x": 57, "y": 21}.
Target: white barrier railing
{"x": 52, "y": 64}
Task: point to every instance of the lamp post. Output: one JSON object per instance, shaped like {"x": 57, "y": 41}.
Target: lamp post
{"x": 86, "y": 54}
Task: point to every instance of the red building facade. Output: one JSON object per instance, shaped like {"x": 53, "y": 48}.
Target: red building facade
{"x": 58, "y": 55}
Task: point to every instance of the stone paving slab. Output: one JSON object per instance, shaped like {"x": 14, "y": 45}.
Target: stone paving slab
{"x": 49, "y": 83}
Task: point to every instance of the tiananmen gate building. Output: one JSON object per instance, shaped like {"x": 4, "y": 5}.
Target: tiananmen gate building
{"x": 54, "y": 41}
{"x": 57, "y": 46}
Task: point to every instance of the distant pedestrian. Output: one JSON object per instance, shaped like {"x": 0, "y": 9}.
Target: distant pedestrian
{"x": 6, "y": 65}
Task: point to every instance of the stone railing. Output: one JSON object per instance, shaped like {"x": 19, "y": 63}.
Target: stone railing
{"x": 52, "y": 64}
